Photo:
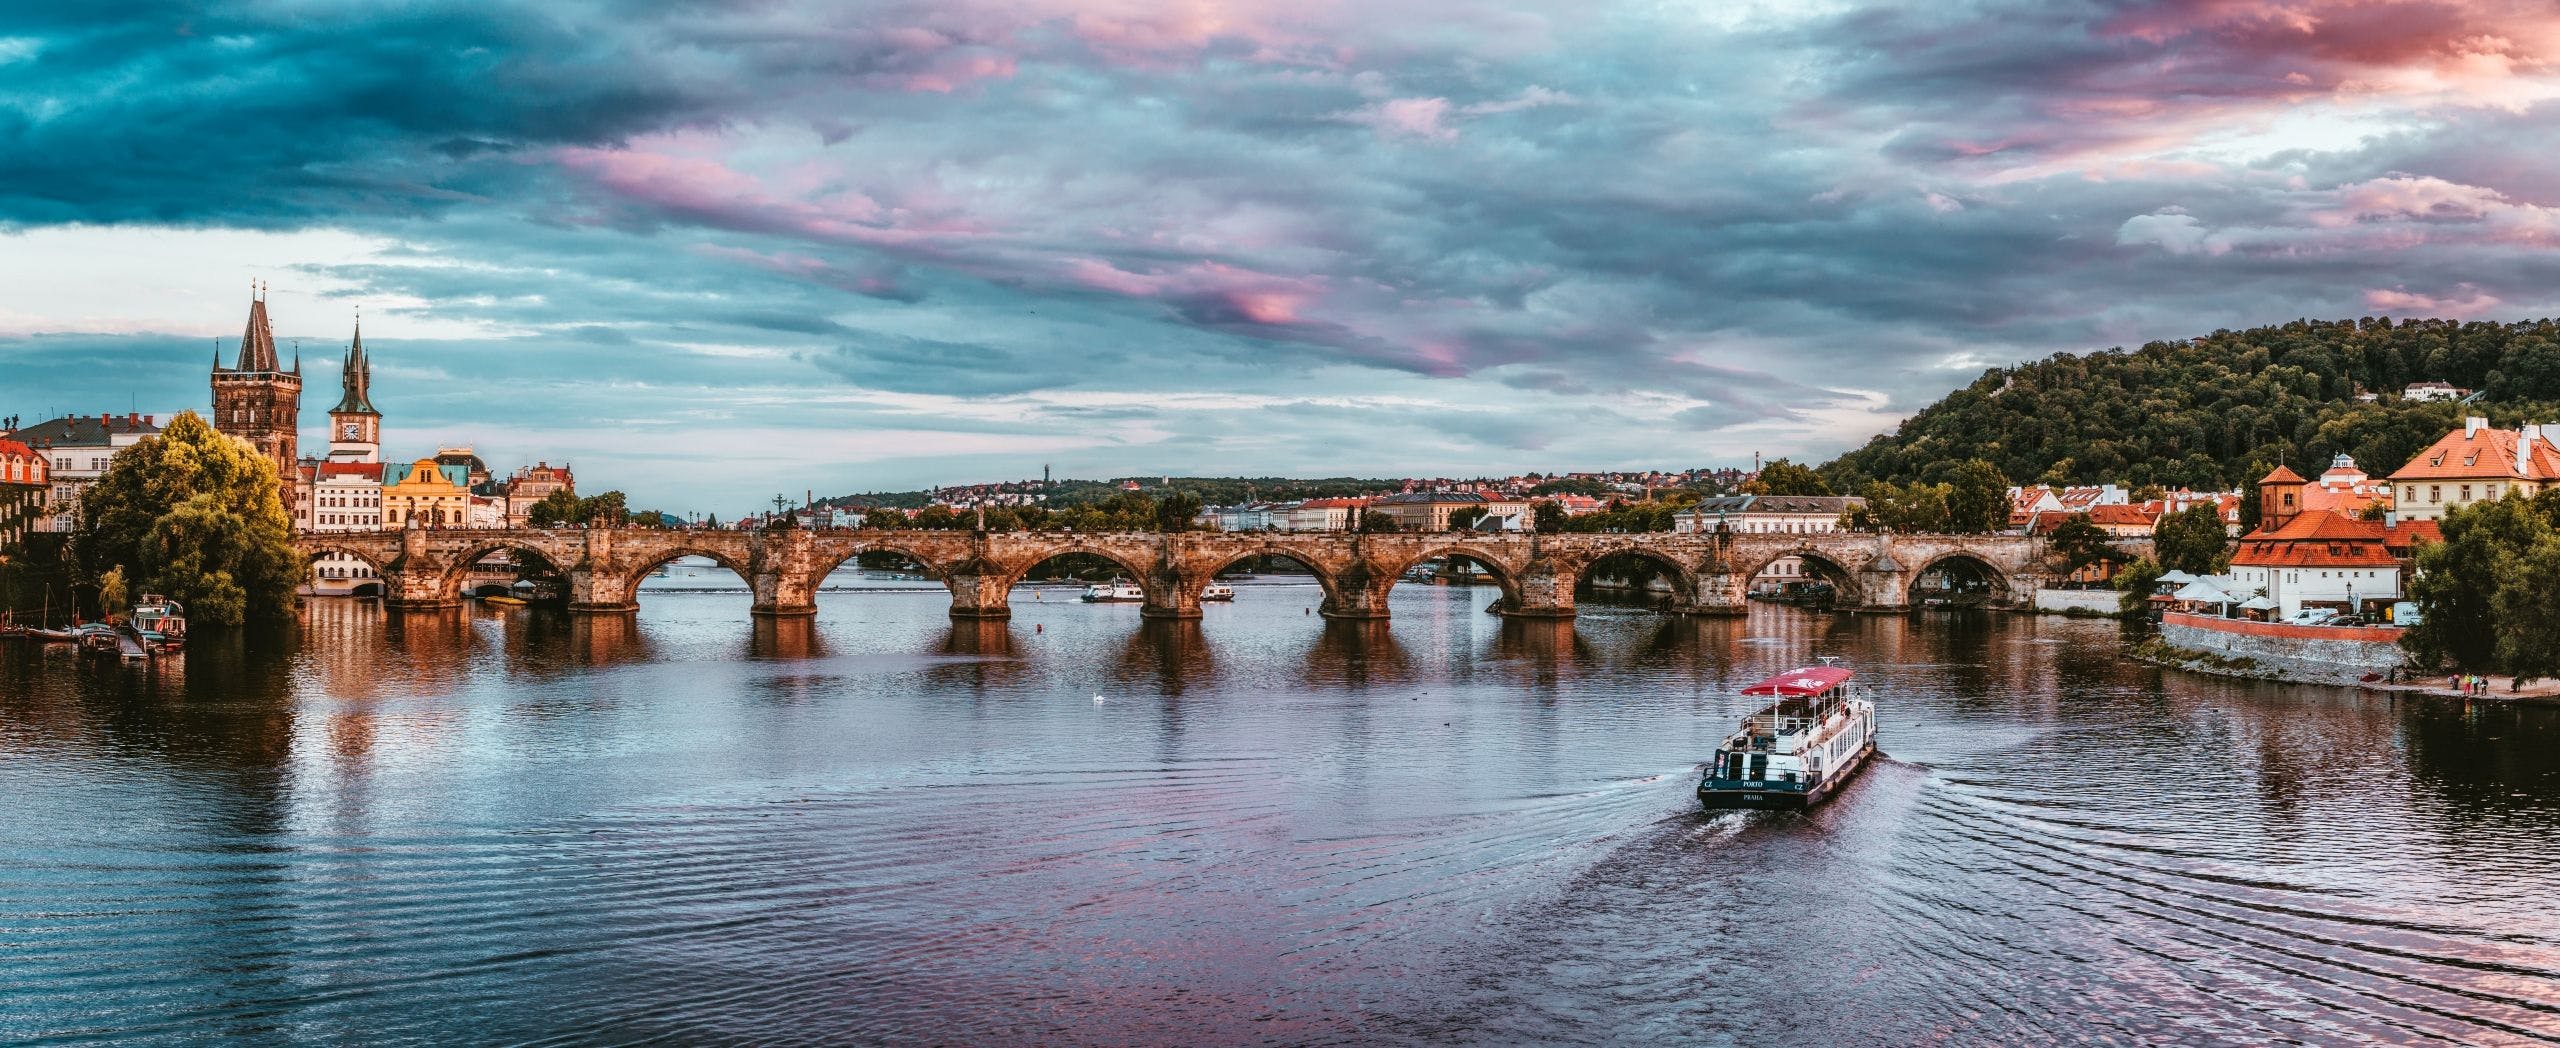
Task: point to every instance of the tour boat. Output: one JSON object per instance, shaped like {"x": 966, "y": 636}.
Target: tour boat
{"x": 1114, "y": 593}
{"x": 1799, "y": 750}
{"x": 1218, "y": 591}
{"x": 503, "y": 600}
{"x": 161, "y": 622}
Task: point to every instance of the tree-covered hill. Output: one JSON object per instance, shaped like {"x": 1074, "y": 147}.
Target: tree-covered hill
{"x": 2219, "y": 411}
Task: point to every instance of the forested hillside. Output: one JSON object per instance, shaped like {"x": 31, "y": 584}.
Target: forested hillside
{"x": 2218, "y": 411}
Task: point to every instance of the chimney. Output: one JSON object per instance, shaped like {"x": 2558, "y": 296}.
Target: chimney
{"x": 2524, "y": 450}
{"x": 2472, "y": 426}
{"x": 152, "y": 421}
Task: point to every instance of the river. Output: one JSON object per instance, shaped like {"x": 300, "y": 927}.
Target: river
{"x": 519, "y": 826}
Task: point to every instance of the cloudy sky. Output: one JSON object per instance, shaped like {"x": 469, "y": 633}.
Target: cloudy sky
{"x": 709, "y": 251}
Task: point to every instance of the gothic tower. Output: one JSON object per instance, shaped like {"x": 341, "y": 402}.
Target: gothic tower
{"x": 355, "y": 428}
{"x": 260, "y": 402}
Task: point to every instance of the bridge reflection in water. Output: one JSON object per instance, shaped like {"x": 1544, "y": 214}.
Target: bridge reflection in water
{"x": 1537, "y": 575}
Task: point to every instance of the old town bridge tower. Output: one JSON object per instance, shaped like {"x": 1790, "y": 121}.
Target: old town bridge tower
{"x": 258, "y": 400}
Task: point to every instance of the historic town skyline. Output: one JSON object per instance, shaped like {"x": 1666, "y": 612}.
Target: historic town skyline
{"x": 729, "y": 251}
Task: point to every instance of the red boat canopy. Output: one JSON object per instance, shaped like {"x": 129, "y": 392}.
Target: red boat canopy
{"x": 1801, "y": 683}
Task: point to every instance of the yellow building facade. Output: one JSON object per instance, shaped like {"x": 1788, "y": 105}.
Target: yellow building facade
{"x": 428, "y": 494}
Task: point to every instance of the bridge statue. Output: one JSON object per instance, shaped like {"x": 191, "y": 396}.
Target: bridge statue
{"x": 1708, "y": 573}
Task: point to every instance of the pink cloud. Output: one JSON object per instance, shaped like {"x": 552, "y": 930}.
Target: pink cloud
{"x": 1407, "y": 118}
{"x": 2464, "y": 300}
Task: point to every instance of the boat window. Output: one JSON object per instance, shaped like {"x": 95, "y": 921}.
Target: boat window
{"x": 1759, "y": 765}
{"x": 1733, "y": 766}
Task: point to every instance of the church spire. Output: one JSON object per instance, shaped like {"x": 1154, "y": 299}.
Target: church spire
{"x": 356, "y": 378}
{"x": 258, "y": 342}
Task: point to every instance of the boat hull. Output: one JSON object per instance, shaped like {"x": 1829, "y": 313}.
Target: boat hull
{"x": 1726, "y": 798}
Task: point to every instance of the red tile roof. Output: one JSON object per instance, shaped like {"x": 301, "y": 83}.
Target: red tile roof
{"x": 2483, "y": 454}
{"x": 2322, "y": 539}
{"x": 369, "y": 470}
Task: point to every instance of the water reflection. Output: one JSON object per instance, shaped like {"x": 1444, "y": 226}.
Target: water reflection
{"x": 687, "y": 824}
{"x": 795, "y": 638}
{"x": 1165, "y": 656}
{"x": 1356, "y": 654}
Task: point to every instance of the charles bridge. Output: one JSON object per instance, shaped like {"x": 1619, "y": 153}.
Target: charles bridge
{"x": 1708, "y": 573}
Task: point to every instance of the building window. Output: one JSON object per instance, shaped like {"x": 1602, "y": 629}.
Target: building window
{"x": 2435, "y": 492}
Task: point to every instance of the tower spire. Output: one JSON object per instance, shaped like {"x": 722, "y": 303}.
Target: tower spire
{"x": 258, "y": 340}
{"x": 356, "y": 378}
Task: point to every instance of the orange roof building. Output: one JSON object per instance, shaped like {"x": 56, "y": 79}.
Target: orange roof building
{"x": 2319, "y": 557}
{"x": 2476, "y": 463}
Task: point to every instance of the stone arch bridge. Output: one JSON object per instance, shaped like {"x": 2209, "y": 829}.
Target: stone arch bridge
{"x": 1708, "y": 573}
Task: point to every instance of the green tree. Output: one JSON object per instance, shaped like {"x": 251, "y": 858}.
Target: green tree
{"x": 1376, "y": 522}
{"x": 1977, "y": 498}
{"x": 606, "y": 509}
{"x": 1464, "y": 517}
{"x": 2459, "y": 579}
{"x": 1783, "y": 477}
{"x": 555, "y": 509}
{"x": 113, "y": 598}
{"x": 1548, "y": 517}
{"x": 195, "y": 515}
{"x": 2136, "y": 582}
{"x": 2526, "y": 606}
{"x": 1178, "y": 511}
{"x": 2192, "y": 540}
{"x": 2080, "y": 543}
{"x": 885, "y": 518}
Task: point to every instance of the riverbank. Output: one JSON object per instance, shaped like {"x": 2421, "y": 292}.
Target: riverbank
{"x": 2155, "y": 652}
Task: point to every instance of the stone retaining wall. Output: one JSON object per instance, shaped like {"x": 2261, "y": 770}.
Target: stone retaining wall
{"x": 2322, "y": 654}
{"x": 2078, "y": 602}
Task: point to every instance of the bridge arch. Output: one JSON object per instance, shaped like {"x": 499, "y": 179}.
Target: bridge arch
{"x": 1504, "y": 574}
{"x": 935, "y": 569}
{"x": 1829, "y": 566}
{"x": 1324, "y": 574}
{"x": 1142, "y": 574}
{"x": 1977, "y": 566}
{"x": 1684, "y": 578}
{"x": 315, "y": 549}
{"x": 645, "y": 565}
{"x": 457, "y": 570}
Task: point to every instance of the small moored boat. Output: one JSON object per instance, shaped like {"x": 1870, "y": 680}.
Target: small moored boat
{"x": 161, "y": 622}
{"x": 1218, "y": 591}
{"x": 1799, "y": 750}
{"x": 502, "y": 600}
{"x": 1114, "y": 593}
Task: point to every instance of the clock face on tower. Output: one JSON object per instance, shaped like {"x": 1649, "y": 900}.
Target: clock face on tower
{"x": 351, "y": 431}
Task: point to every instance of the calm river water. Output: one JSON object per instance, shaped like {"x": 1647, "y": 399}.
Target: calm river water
{"x": 1075, "y": 828}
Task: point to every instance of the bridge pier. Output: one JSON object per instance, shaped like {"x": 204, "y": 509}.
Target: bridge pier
{"x": 1359, "y": 593}
{"x": 781, "y": 571}
{"x": 1884, "y": 586}
{"x": 1545, "y": 591}
{"x": 1722, "y": 593}
{"x": 599, "y": 592}
{"x": 1170, "y": 596}
{"x": 412, "y": 580}
{"x": 979, "y": 592}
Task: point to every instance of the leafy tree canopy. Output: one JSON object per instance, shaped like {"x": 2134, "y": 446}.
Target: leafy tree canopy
{"x": 2217, "y": 412}
{"x": 197, "y": 516}
{"x": 1783, "y": 477}
{"x": 2192, "y": 540}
